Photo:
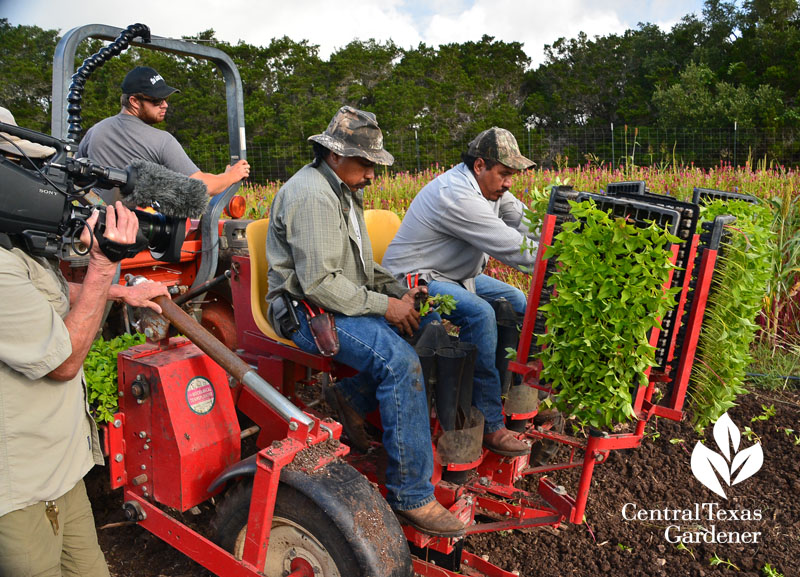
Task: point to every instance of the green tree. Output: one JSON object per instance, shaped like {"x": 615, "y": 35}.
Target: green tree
{"x": 26, "y": 64}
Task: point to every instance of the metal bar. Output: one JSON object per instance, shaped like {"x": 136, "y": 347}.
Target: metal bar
{"x": 229, "y": 361}
{"x": 535, "y": 293}
{"x": 693, "y": 329}
{"x": 189, "y": 542}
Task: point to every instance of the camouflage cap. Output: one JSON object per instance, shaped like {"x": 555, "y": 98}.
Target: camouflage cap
{"x": 355, "y": 132}
{"x": 500, "y": 145}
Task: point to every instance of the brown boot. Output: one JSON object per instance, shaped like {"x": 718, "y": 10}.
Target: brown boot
{"x": 503, "y": 442}
{"x": 433, "y": 519}
{"x": 352, "y": 422}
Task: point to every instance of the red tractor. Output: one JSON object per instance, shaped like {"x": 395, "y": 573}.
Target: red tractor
{"x": 301, "y": 504}
{"x": 198, "y": 420}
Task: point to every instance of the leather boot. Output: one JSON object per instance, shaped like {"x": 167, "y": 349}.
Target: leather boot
{"x": 433, "y": 519}
{"x": 352, "y": 422}
{"x": 503, "y": 442}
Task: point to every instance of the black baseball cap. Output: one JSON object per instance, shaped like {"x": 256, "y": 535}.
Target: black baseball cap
{"x": 145, "y": 80}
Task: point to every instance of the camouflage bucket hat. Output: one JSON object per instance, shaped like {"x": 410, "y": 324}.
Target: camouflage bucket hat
{"x": 355, "y": 133}
{"x": 500, "y": 145}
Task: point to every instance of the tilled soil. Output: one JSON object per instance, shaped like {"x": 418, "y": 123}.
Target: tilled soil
{"x": 630, "y": 528}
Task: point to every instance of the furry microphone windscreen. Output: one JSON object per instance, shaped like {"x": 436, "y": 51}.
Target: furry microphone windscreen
{"x": 175, "y": 194}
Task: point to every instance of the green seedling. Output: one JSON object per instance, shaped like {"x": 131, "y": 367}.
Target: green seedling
{"x": 622, "y": 547}
{"x": 790, "y": 433}
{"x": 741, "y": 276}
{"x": 766, "y": 414}
{"x": 769, "y": 571}
{"x": 750, "y": 434}
{"x": 682, "y": 547}
{"x": 609, "y": 281}
{"x": 716, "y": 560}
{"x": 443, "y": 304}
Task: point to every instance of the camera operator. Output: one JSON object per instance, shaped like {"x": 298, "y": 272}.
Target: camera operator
{"x": 48, "y": 439}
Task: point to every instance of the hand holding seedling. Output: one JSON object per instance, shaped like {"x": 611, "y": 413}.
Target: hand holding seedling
{"x": 443, "y": 304}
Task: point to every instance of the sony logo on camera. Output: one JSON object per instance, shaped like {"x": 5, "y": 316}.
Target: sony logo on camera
{"x": 48, "y": 191}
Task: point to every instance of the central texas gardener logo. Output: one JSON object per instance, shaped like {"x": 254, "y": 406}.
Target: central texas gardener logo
{"x": 709, "y": 466}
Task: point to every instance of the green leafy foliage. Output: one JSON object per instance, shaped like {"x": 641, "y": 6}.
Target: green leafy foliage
{"x": 740, "y": 280}
{"x": 100, "y": 370}
{"x": 770, "y": 571}
{"x": 443, "y": 304}
{"x": 609, "y": 297}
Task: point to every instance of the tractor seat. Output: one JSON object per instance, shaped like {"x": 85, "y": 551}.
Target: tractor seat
{"x": 382, "y": 225}
{"x": 256, "y": 233}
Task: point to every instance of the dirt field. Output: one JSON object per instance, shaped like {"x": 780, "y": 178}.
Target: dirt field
{"x": 637, "y": 483}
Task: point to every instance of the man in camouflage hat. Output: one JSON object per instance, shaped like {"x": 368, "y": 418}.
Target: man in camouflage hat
{"x": 319, "y": 252}
{"x": 455, "y": 223}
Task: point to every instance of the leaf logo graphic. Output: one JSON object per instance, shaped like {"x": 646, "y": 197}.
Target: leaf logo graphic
{"x": 709, "y": 466}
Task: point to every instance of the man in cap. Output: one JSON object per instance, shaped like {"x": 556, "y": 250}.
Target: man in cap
{"x": 454, "y": 224}
{"x": 319, "y": 252}
{"x": 49, "y": 439}
{"x": 117, "y": 140}
{"x": 17, "y": 148}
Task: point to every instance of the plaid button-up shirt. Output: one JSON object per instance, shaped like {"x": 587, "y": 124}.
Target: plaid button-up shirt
{"x": 313, "y": 251}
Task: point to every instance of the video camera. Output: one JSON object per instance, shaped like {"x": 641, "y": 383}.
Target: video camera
{"x": 44, "y": 205}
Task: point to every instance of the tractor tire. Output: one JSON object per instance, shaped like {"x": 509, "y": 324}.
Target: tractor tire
{"x": 304, "y": 531}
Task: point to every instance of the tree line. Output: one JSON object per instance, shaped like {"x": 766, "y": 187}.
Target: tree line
{"x": 737, "y": 64}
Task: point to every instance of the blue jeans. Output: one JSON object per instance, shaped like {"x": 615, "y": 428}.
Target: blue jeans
{"x": 475, "y": 318}
{"x": 390, "y": 375}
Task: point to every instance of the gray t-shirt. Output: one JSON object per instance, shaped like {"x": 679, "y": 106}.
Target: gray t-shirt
{"x": 117, "y": 140}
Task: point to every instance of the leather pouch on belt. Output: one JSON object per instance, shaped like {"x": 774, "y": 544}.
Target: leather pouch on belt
{"x": 323, "y": 329}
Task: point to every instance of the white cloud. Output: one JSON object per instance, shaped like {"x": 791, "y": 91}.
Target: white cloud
{"x": 332, "y": 25}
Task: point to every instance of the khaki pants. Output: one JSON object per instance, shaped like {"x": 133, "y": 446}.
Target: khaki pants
{"x": 28, "y": 547}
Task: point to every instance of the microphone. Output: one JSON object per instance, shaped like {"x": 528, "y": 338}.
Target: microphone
{"x": 167, "y": 191}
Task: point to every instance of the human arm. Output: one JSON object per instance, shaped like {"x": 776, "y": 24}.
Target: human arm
{"x": 473, "y": 220}
{"x": 217, "y": 183}
{"x": 386, "y": 283}
{"x": 309, "y": 240}
{"x": 139, "y": 295}
{"x": 86, "y": 311}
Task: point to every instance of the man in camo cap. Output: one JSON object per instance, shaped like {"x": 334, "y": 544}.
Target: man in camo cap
{"x": 455, "y": 223}
{"x": 319, "y": 252}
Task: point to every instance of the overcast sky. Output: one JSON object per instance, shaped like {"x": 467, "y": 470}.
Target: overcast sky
{"x": 332, "y": 24}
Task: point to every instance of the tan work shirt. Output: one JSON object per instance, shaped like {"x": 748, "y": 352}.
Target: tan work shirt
{"x": 48, "y": 439}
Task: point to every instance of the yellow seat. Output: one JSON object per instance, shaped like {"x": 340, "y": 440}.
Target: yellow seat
{"x": 256, "y": 233}
{"x": 382, "y": 225}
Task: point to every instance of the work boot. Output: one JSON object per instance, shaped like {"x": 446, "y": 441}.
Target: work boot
{"x": 433, "y": 519}
{"x": 503, "y": 442}
{"x": 352, "y": 423}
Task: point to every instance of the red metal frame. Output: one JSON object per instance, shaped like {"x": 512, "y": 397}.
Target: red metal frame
{"x": 489, "y": 496}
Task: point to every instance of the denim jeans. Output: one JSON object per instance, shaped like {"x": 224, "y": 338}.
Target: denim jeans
{"x": 389, "y": 375}
{"x": 475, "y": 318}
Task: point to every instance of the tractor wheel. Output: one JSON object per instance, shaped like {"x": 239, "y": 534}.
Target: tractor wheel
{"x": 217, "y": 318}
{"x": 309, "y": 535}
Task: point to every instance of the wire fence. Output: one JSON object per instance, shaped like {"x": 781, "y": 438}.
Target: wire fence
{"x": 567, "y": 147}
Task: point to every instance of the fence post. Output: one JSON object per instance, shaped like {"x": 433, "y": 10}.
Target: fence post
{"x": 735, "y": 139}
{"x": 613, "y": 160}
{"x": 416, "y": 142}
